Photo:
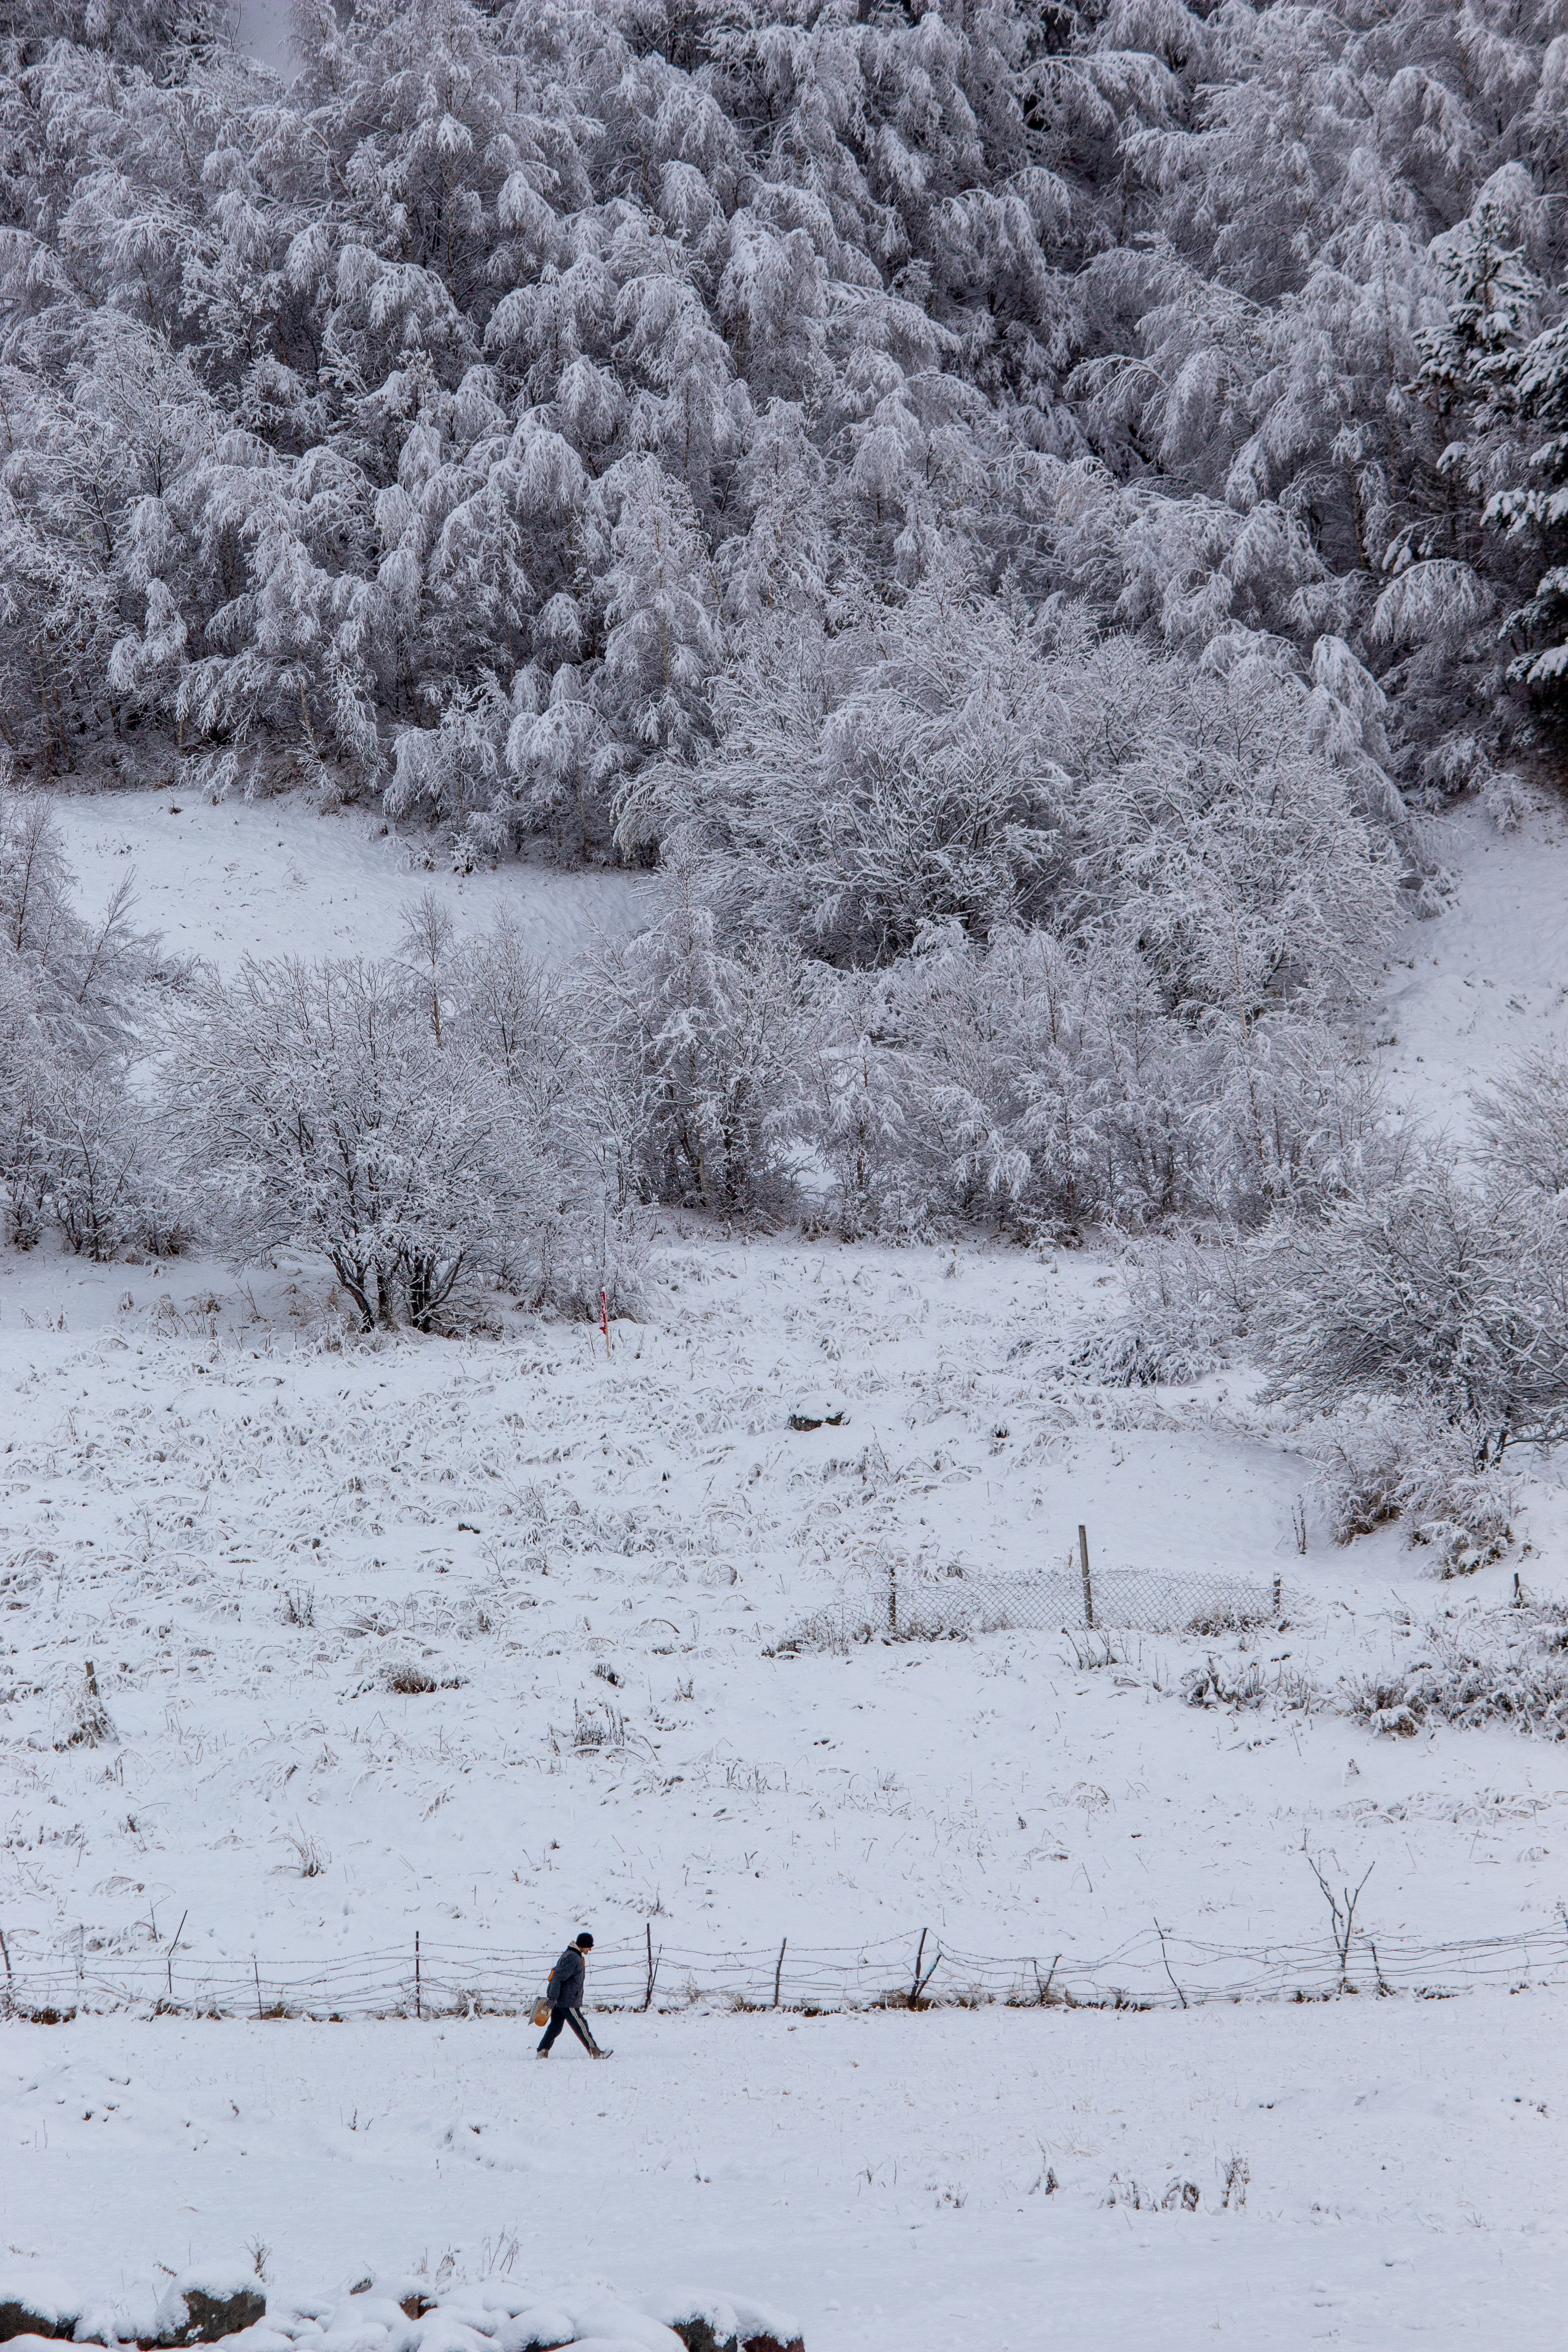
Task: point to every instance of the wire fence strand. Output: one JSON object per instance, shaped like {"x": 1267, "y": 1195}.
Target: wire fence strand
{"x": 1151, "y": 1971}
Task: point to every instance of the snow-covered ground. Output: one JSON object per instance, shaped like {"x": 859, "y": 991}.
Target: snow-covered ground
{"x": 886, "y": 2179}
{"x": 551, "y": 1536}
{"x": 237, "y": 878}
{"x": 261, "y": 31}
{"x": 255, "y": 1531}
{"x": 1486, "y": 980}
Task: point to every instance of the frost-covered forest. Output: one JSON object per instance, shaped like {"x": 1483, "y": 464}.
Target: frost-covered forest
{"x": 487, "y": 420}
{"x": 1021, "y": 516}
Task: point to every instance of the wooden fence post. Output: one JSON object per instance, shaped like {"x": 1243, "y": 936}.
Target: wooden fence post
{"x": 778, "y": 1972}
{"x": 419, "y": 1995}
{"x": 173, "y": 1947}
{"x": 1087, "y": 1587}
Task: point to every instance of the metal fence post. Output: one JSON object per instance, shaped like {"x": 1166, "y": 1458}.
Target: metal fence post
{"x": 1087, "y": 1587}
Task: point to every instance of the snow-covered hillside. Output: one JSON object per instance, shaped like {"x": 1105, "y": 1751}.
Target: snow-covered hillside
{"x": 480, "y": 1638}
{"x": 250, "y": 1528}
{"x": 1487, "y": 981}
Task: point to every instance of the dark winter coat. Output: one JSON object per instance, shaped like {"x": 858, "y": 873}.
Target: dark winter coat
{"x": 567, "y": 1978}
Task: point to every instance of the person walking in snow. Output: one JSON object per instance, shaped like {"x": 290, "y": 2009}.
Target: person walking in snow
{"x": 564, "y": 1994}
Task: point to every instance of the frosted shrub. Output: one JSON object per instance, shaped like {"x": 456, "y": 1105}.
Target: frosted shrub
{"x": 1188, "y": 1303}
{"x": 1037, "y": 1083}
{"x": 1523, "y": 1116}
{"x": 705, "y": 1052}
{"x": 1362, "y": 1471}
{"x": 310, "y": 1857}
{"x": 1461, "y": 1515}
{"x": 99, "y": 1147}
{"x": 408, "y": 1679}
{"x": 1215, "y": 1684}
{"x": 1400, "y": 1463}
{"x": 74, "y": 1145}
{"x": 23, "y": 1126}
{"x": 87, "y": 1723}
{"x": 1114, "y": 912}
{"x": 1452, "y": 1297}
{"x": 586, "y": 1258}
{"x": 966, "y": 768}
{"x": 315, "y": 1108}
{"x": 520, "y": 1016}
{"x": 1295, "y": 1121}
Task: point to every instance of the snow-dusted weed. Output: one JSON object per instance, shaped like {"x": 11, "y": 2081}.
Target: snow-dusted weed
{"x": 86, "y": 1722}
{"x": 1504, "y": 1667}
{"x": 310, "y": 1857}
{"x": 1217, "y": 1683}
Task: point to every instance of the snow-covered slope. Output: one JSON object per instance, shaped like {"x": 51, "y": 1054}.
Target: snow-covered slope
{"x": 272, "y": 877}
{"x": 1487, "y": 980}
{"x": 552, "y": 1537}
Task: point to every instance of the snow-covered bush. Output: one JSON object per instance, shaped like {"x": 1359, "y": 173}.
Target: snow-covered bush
{"x": 1189, "y": 1302}
{"x": 1452, "y": 1295}
{"x": 420, "y": 1125}
{"x": 313, "y": 1107}
{"x": 1103, "y": 915}
{"x": 1047, "y": 1083}
{"x": 1219, "y": 1683}
{"x": 1362, "y": 1471}
{"x": 965, "y": 766}
{"x": 1523, "y": 1117}
{"x": 586, "y": 1256}
{"x": 74, "y": 1144}
{"x": 1402, "y": 1462}
{"x": 86, "y": 1720}
{"x": 99, "y": 1147}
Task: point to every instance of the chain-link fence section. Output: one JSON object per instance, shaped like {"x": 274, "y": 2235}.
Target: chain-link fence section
{"x": 897, "y": 1606}
{"x": 1129, "y": 1600}
{"x": 1152, "y": 1970}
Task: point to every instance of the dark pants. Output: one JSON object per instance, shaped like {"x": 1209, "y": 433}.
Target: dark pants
{"x": 572, "y": 2017}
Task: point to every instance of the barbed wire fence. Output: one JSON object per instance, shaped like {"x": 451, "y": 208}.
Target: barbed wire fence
{"x": 1155, "y": 1969}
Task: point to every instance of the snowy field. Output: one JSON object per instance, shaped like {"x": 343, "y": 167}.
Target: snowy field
{"x": 255, "y": 1532}
{"x": 268, "y": 1540}
{"x": 262, "y": 878}
{"x": 886, "y": 2179}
